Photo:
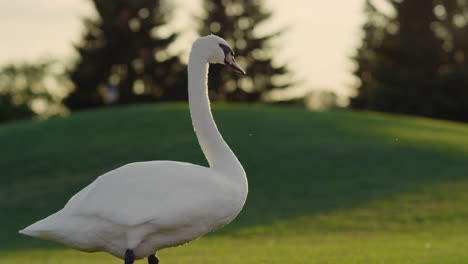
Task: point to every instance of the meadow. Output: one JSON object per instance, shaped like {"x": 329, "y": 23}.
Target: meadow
{"x": 336, "y": 187}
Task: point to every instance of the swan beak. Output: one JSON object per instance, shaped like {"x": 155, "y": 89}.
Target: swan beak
{"x": 232, "y": 63}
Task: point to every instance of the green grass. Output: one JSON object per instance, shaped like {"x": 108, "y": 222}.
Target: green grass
{"x": 335, "y": 187}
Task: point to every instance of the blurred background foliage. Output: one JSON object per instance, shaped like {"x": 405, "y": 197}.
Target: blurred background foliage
{"x": 412, "y": 60}
{"x": 236, "y": 22}
{"x": 123, "y": 57}
{"x": 32, "y": 88}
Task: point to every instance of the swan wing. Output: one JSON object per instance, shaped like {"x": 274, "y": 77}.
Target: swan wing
{"x": 161, "y": 192}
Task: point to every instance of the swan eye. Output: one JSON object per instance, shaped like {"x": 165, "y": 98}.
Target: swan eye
{"x": 227, "y": 50}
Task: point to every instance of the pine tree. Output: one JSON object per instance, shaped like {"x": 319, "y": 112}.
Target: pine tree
{"x": 123, "y": 57}
{"x": 235, "y": 21}
{"x": 414, "y": 62}
{"x": 366, "y": 57}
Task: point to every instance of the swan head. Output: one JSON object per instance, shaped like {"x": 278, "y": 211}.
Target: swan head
{"x": 214, "y": 49}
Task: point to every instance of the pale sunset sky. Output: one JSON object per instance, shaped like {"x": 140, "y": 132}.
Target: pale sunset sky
{"x": 322, "y": 35}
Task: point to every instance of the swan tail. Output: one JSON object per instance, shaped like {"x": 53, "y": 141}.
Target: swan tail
{"x": 43, "y": 228}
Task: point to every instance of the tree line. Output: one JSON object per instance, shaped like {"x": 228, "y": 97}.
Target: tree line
{"x": 123, "y": 56}
{"x": 413, "y": 59}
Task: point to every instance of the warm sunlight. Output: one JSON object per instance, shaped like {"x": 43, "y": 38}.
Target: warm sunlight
{"x": 318, "y": 43}
{"x": 233, "y": 131}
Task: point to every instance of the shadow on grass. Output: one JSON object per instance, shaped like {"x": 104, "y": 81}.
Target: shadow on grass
{"x": 299, "y": 163}
{"x": 343, "y": 160}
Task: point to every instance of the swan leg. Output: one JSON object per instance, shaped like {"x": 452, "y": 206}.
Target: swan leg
{"x": 129, "y": 257}
{"x": 153, "y": 259}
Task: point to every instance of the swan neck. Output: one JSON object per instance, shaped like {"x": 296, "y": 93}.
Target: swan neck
{"x": 215, "y": 149}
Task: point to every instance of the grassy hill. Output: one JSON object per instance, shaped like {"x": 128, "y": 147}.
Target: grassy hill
{"x": 334, "y": 187}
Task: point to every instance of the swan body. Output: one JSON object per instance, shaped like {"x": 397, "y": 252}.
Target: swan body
{"x": 147, "y": 206}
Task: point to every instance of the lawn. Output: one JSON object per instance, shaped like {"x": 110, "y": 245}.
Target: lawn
{"x": 333, "y": 187}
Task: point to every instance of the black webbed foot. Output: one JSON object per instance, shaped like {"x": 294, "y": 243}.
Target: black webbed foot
{"x": 129, "y": 257}
{"x": 153, "y": 259}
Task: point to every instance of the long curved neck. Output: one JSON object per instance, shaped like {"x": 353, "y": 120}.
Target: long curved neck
{"x": 216, "y": 151}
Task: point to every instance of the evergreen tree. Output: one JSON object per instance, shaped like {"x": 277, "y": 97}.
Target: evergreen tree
{"x": 123, "y": 57}
{"x": 414, "y": 62}
{"x": 235, "y": 21}
{"x": 366, "y": 57}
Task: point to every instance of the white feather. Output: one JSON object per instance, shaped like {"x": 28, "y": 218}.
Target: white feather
{"x": 148, "y": 206}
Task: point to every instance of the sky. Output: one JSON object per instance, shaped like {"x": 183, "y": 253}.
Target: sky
{"x": 321, "y": 38}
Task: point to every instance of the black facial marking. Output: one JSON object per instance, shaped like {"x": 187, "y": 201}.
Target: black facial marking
{"x": 226, "y": 49}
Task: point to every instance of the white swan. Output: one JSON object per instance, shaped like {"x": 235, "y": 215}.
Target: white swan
{"x": 140, "y": 208}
